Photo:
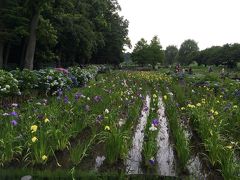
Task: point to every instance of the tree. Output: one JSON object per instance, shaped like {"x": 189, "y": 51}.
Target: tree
{"x": 114, "y": 34}
{"x": 156, "y": 54}
{"x": 13, "y": 26}
{"x": 148, "y": 54}
{"x": 139, "y": 54}
{"x": 46, "y": 41}
{"x": 187, "y": 51}
{"x": 127, "y": 57}
{"x": 35, "y": 8}
{"x": 170, "y": 54}
{"x": 64, "y": 31}
{"x": 228, "y": 54}
{"x": 209, "y": 56}
{"x": 75, "y": 31}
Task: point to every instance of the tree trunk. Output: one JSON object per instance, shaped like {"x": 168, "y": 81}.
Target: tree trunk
{"x": 153, "y": 66}
{"x": 23, "y": 45}
{"x": 1, "y": 54}
{"x": 30, "y": 51}
{"x": 7, "y": 55}
{"x": 58, "y": 61}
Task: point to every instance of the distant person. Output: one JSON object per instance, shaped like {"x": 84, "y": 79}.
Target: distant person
{"x": 222, "y": 74}
{"x": 223, "y": 71}
{"x": 190, "y": 70}
{"x": 177, "y": 68}
{"x": 210, "y": 69}
{"x": 183, "y": 71}
{"x": 181, "y": 74}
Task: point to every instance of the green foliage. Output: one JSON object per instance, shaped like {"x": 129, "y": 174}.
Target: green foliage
{"x": 187, "y": 51}
{"x": 115, "y": 141}
{"x": 139, "y": 53}
{"x": 12, "y": 21}
{"x": 8, "y": 84}
{"x": 150, "y": 146}
{"x": 209, "y": 105}
{"x": 67, "y": 32}
{"x": 156, "y": 54}
{"x": 46, "y": 40}
{"x": 83, "y": 75}
{"x": 52, "y": 80}
{"x": 46, "y": 80}
{"x": 228, "y": 54}
{"x": 181, "y": 142}
{"x": 170, "y": 55}
{"x": 27, "y": 80}
{"x": 78, "y": 152}
{"x": 148, "y": 54}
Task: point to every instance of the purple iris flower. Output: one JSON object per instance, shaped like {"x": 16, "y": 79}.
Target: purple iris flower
{"x": 155, "y": 122}
{"x": 151, "y": 161}
{"x": 66, "y": 100}
{"x": 40, "y": 116}
{"x": 99, "y": 118}
{"x": 77, "y": 96}
{"x": 74, "y": 80}
{"x": 14, "y": 122}
{"x": 14, "y": 113}
{"x": 97, "y": 98}
{"x": 145, "y": 108}
{"x": 60, "y": 92}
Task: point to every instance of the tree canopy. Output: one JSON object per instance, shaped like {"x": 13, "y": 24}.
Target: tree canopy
{"x": 228, "y": 54}
{"x": 171, "y": 53}
{"x": 63, "y": 32}
{"x": 187, "y": 51}
{"x": 145, "y": 53}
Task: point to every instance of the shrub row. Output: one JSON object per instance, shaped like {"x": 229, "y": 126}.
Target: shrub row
{"x": 46, "y": 81}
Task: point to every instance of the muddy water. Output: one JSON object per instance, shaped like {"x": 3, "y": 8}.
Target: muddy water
{"x": 134, "y": 155}
{"x": 195, "y": 168}
{"x": 194, "y": 164}
{"x": 165, "y": 156}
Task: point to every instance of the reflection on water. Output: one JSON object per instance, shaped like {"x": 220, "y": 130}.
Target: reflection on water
{"x": 165, "y": 156}
{"x": 134, "y": 155}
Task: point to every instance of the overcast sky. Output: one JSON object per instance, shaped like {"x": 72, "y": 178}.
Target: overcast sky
{"x": 208, "y": 22}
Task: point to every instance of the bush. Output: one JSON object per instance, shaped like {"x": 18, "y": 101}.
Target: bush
{"x": 47, "y": 80}
{"x": 27, "y": 80}
{"x": 193, "y": 64}
{"x": 52, "y": 80}
{"x": 83, "y": 75}
{"x": 8, "y": 84}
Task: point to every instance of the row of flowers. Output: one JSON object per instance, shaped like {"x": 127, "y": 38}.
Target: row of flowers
{"x": 152, "y": 128}
{"x": 34, "y": 130}
{"x": 211, "y": 105}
